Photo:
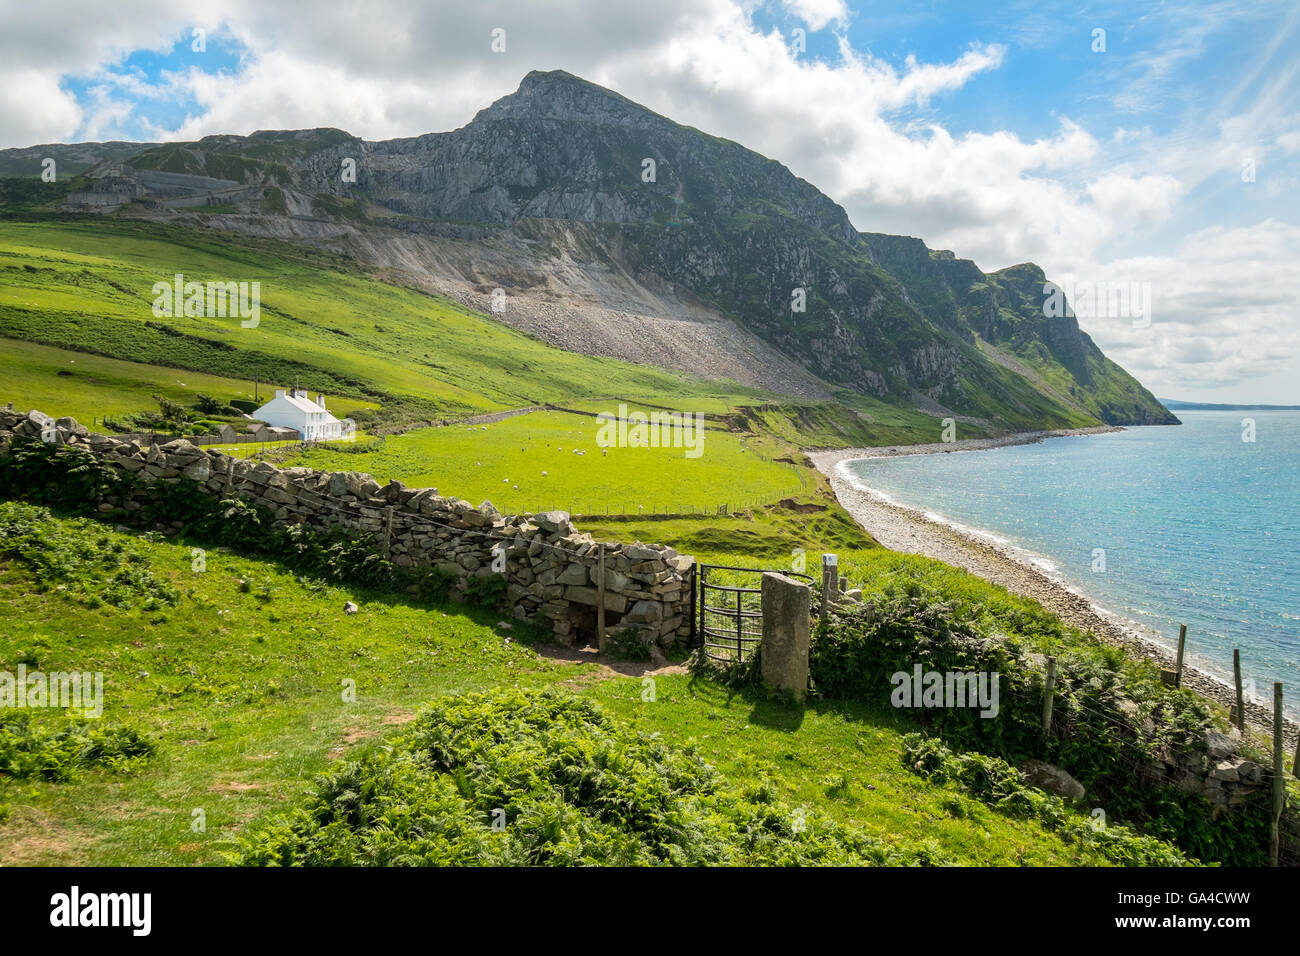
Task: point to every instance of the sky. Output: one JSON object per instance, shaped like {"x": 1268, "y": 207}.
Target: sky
{"x": 1145, "y": 148}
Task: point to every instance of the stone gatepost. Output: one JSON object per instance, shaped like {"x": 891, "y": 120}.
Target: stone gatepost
{"x": 786, "y": 608}
{"x": 830, "y": 582}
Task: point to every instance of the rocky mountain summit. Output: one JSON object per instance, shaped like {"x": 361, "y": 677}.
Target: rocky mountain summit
{"x": 612, "y": 230}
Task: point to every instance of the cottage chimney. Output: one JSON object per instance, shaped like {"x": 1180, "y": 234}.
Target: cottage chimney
{"x": 320, "y": 399}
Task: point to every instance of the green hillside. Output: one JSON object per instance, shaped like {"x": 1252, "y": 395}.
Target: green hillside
{"x": 223, "y": 677}
{"x": 226, "y": 684}
{"x": 89, "y": 387}
{"x": 76, "y": 301}
{"x": 76, "y": 306}
{"x": 556, "y": 175}
{"x": 324, "y": 323}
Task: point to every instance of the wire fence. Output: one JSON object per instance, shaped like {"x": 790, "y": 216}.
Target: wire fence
{"x": 1184, "y": 765}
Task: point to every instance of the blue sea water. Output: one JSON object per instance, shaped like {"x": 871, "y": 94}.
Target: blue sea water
{"x": 1196, "y": 526}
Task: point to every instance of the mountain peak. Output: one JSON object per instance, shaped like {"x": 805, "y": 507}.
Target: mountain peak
{"x": 551, "y": 78}
{"x": 559, "y": 95}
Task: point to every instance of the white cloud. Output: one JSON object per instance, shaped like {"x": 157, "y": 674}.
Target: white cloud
{"x": 818, "y": 14}
{"x": 1126, "y": 197}
{"x": 1224, "y": 308}
{"x": 51, "y": 123}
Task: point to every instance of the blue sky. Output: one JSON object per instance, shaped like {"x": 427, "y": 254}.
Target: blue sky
{"x": 1167, "y": 70}
{"x": 1050, "y": 70}
{"x": 141, "y": 79}
{"x": 994, "y": 130}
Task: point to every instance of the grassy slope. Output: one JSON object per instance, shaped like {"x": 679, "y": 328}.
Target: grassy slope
{"x": 88, "y": 387}
{"x": 241, "y": 690}
{"x": 87, "y": 286}
{"x": 1110, "y": 393}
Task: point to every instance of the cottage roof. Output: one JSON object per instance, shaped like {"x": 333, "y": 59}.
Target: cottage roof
{"x": 302, "y": 402}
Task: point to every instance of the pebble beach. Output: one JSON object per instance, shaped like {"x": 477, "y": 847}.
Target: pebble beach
{"x": 907, "y": 530}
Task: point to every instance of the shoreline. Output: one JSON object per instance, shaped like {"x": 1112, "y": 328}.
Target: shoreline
{"x": 965, "y": 444}
{"x": 903, "y": 529}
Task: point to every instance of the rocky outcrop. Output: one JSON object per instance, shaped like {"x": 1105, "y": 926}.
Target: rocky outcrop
{"x": 550, "y": 569}
{"x": 1049, "y": 777}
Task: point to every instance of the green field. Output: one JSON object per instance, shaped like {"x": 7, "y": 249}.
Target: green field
{"x": 76, "y": 308}
{"x": 263, "y": 448}
{"x": 529, "y": 463}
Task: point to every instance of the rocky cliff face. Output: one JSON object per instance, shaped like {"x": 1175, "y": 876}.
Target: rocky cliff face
{"x": 673, "y": 210}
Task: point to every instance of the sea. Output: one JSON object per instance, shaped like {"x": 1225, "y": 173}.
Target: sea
{"x": 1195, "y": 524}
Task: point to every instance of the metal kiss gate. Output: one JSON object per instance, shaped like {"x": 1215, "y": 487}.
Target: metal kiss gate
{"x": 730, "y": 623}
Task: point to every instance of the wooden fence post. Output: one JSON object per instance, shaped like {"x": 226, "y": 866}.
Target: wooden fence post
{"x": 1047, "y": 697}
{"x": 1182, "y": 644}
{"x": 1279, "y": 781}
{"x": 1241, "y": 703}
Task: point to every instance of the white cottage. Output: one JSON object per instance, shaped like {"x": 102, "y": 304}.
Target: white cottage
{"x": 293, "y": 409}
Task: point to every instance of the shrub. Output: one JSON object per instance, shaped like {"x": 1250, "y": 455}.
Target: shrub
{"x": 486, "y": 590}
{"x": 995, "y": 782}
{"x": 209, "y": 405}
{"x": 1100, "y": 703}
{"x": 75, "y": 481}
{"x": 58, "y": 475}
{"x": 78, "y": 557}
{"x": 525, "y": 778}
{"x": 59, "y": 749}
{"x": 627, "y": 644}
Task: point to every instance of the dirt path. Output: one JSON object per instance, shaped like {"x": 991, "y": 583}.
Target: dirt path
{"x": 608, "y": 665}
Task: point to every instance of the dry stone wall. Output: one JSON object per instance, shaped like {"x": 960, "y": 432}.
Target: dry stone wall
{"x": 550, "y": 568}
